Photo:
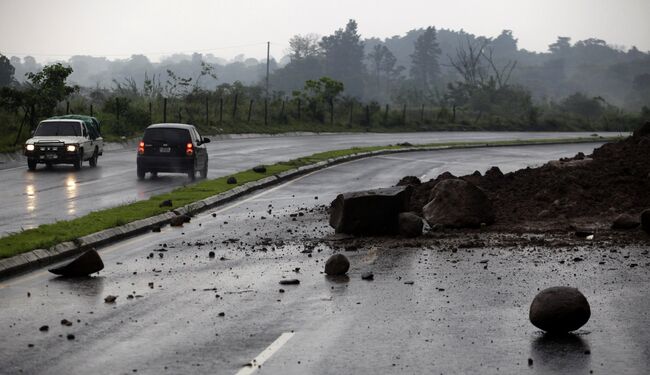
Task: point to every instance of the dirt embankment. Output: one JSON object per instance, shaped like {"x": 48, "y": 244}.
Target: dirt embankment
{"x": 579, "y": 192}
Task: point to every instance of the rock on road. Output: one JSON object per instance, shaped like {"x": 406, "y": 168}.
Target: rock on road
{"x": 428, "y": 310}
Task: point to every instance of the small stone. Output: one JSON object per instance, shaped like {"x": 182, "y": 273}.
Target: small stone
{"x": 289, "y": 282}
{"x": 259, "y": 169}
{"x": 530, "y": 361}
{"x": 337, "y": 264}
{"x": 155, "y": 228}
{"x": 70, "y": 336}
{"x": 165, "y": 203}
{"x": 222, "y": 314}
{"x": 281, "y": 290}
{"x": 66, "y": 322}
{"x": 211, "y": 254}
{"x": 44, "y": 328}
{"x": 559, "y": 309}
{"x": 110, "y": 299}
{"x": 368, "y": 276}
{"x": 232, "y": 180}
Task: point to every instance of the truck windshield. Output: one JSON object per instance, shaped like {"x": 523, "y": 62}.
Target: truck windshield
{"x": 62, "y": 128}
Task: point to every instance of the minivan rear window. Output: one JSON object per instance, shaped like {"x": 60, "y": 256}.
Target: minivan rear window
{"x": 167, "y": 135}
{"x": 62, "y": 128}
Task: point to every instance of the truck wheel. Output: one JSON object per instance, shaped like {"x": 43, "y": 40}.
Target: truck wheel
{"x": 77, "y": 163}
{"x": 140, "y": 172}
{"x": 31, "y": 164}
{"x": 93, "y": 159}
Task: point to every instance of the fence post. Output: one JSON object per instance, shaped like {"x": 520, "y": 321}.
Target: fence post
{"x": 404, "y": 115}
{"x": 368, "y": 115}
{"x": 266, "y": 111}
{"x": 67, "y": 107}
{"x": 422, "y": 114}
{"x": 220, "y": 110}
{"x": 180, "y": 115}
{"x": 350, "y": 118}
{"x": 150, "y": 113}
{"x": 234, "y": 107}
{"x": 284, "y": 101}
{"x": 91, "y": 109}
{"x": 164, "y": 110}
{"x": 117, "y": 110}
{"x": 386, "y": 115}
{"x": 331, "y": 111}
{"x": 299, "y": 109}
{"x": 250, "y": 109}
{"x": 207, "y": 112}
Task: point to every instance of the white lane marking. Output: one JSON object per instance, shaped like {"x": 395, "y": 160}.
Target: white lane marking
{"x": 257, "y": 362}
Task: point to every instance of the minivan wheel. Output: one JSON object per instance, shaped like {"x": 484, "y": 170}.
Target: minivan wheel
{"x": 140, "y": 172}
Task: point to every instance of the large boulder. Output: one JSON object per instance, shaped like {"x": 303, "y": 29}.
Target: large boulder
{"x": 370, "y": 212}
{"x": 645, "y": 221}
{"x": 336, "y": 265}
{"x": 87, "y": 263}
{"x": 458, "y": 204}
{"x": 410, "y": 224}
{"x": 625, "y": 221}
{"x": 559, "y": 309}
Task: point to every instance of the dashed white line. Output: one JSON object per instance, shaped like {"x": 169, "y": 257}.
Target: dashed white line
{"x": 257, "y": 362}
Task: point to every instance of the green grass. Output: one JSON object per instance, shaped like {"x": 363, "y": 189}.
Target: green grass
{"x": 48, "y": 235}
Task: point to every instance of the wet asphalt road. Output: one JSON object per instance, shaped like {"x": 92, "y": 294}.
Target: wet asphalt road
{"x": 460, "y": 315}
{"x": 33, "y": 198}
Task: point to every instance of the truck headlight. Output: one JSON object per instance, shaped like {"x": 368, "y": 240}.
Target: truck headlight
{"x": 29, "y": 147}
{"x": 71, "y": 148}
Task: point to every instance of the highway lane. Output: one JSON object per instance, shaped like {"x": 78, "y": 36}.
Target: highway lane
{"x": 456, "y": 317}
{"x": 45, "y": 196}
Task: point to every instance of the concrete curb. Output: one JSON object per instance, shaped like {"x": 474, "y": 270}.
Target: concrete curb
{"x": 42, "y": 257}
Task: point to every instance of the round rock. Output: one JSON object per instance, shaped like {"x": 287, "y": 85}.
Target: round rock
{"x": 559, "y": 309}
{"x": 337, "y": 264}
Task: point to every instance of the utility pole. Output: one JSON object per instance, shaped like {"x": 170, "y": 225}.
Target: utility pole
{"x": 266, "y": 100}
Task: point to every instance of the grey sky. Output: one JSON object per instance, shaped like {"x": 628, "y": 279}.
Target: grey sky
{"x": 56, "y": 29}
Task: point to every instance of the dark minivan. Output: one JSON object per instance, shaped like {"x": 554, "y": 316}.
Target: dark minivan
{"x": 176, "y": 148}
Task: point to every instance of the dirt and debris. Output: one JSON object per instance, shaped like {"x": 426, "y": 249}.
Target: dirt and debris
{"x": 569, "y": 194}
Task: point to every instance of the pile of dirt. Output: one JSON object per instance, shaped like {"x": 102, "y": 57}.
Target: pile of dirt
{"x": 583, "y": 191}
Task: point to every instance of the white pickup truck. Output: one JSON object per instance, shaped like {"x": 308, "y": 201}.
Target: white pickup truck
{"x": 65, "y": 140}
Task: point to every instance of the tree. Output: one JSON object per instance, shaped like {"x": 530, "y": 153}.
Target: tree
{"x": 319, "y": 92}
{"x": 304, "y": 46}
{"x": 39, "y": 97}
{"x": 383, "y": 68}
{"x": 425, "y": 70}
{"x": 6, "y": 71}
{"x": 561, "y": 46}
{"x": 343, "y": 54}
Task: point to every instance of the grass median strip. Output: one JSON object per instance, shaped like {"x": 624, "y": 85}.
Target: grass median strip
{"x": 48, "y": 235}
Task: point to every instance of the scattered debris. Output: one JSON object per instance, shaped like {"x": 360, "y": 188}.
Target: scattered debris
{"x": 66, "y": 322}
{"x": 368, "y": 276}
{"x": 289, "y": 282}
{"x": 86, "y": 264}
{"x": 110, "y": 299}
{"x": 44, "y": 328}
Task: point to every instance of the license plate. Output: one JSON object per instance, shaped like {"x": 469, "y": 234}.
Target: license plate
{"x": 165, "y": 149}
{"x": 51, "y": 156}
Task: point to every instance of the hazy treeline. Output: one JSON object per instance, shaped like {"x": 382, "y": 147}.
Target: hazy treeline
{"x": 383, "y": 70}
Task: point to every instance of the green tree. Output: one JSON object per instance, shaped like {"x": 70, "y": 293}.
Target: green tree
{"x": 317, "y": 93}
{"x": 425, "y": 70}
{"x": 6, "y": 71}
{"x": 343, "y": 55}
{"x": 384, "y": 69}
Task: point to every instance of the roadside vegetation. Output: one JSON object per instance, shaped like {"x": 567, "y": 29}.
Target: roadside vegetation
{"x": 427, "y": 80}
{"x": 48, "y": 235}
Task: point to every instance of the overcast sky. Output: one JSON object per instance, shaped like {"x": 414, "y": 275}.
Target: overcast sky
{"x": 56, "y": 29}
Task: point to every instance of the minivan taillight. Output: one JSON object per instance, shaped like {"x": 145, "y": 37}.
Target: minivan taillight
{"x": 141, "y": 148}
{"x": 189, "y": 150}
